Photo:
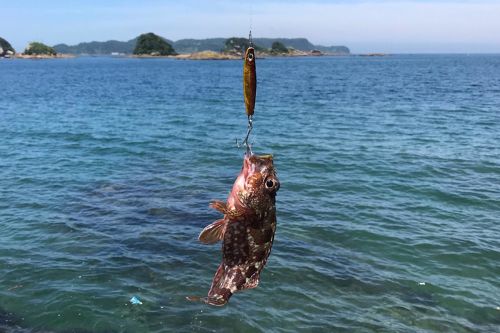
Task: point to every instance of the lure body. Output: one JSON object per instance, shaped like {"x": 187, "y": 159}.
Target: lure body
{"x": 249, "y": 81}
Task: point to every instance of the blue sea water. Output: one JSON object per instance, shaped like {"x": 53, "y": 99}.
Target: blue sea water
{"x": 388, "y": 212}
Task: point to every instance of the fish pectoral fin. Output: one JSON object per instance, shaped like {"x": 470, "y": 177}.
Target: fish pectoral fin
{"x": 219, "y": 206}
{"x": 213, "y": 232}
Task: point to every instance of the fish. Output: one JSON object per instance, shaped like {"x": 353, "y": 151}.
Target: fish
{"x": 249, "y": 81}
{"x": 246, "y": 230}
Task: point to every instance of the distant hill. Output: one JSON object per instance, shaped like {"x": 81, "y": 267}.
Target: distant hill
{"x": 197, "y": 45}
{"x": 279, "y": 48}
{"x": 339, "y": 50}
{"x": 219, "y": 44}
{"x": 193, "y": 45}
{"x": 238, "y": 45}
{"x": 297, "y": 43}
{"x": 107, "y": 47}
{"x": 114, "y": 46}
{"x": 301, "y": 44}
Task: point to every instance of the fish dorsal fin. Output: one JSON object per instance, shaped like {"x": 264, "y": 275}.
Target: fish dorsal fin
{"x": 213, "y": 232}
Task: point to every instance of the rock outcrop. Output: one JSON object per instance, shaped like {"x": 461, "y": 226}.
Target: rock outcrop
{"x": 6, "y": 50}
{"x": 207, "y": 55}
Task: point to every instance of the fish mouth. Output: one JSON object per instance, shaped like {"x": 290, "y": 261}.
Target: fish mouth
{"x": 254, "y": 163}
{"x": 264, "y": 156}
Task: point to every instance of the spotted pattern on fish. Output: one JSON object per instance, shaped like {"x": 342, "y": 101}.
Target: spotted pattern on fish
{"x": 248, "y": 229}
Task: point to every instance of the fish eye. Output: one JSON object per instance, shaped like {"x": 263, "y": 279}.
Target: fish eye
{"x": 250, "y": 56}
{"x": 269, "y": 183}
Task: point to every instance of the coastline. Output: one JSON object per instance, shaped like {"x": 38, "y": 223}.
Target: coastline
{"x": 213, "y": 55}
{"x": 43, "y": 56}
{"x": 201, "y": 55}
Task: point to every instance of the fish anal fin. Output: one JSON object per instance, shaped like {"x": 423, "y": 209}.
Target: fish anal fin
{"x": 213, "y": 232}
{"x": 219, "y": 205}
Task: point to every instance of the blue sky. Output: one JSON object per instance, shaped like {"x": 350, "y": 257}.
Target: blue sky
{"x": 408, "y": 26}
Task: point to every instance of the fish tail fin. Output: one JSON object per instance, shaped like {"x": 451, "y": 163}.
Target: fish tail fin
{"x": 217, "y": 295}
{"x": 196, "y": 299}
{"x": 219, "y": 292}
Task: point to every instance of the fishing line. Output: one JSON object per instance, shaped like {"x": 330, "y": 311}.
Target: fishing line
{"x": 250, "y": 117}
{"x": 251, "y": 58}
{"x": 250, "y": 127}
{"x": 251, "y": 18}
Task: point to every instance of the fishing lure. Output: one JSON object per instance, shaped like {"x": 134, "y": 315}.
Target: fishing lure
{"x": 249, "y": 81}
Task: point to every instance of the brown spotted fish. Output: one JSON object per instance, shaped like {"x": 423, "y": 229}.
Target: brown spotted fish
{"x": 246, "y": 230}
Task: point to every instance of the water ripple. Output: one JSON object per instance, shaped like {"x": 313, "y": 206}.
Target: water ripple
{"x": 387, "y": 214}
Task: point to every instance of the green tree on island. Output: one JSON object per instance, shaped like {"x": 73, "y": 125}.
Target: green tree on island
{"x": 151, "y": 44}
{"x": 278, "y": 47}
{"x": 239, "y": 45}
{"x": 236, "y": 44}
{"x": 37, "y": 48}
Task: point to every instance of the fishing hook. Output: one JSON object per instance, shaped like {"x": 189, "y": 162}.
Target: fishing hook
{"x": 245, "y": 142}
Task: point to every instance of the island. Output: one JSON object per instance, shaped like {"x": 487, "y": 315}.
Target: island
{"x": 152, "y": 45}
{"x": 278, "y": 48}
{"x": 37, "y": 50}
{"x": 6, "y": 50}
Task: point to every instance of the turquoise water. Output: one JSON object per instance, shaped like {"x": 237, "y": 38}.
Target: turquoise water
{"x": 388, "y": 212}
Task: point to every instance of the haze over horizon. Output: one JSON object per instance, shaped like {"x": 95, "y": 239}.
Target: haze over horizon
{"x": 413, "y": 26}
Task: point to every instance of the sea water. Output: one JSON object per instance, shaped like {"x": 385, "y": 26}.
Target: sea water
{"x": 388, "y": 212}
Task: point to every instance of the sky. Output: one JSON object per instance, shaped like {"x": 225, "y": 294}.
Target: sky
{"x": 390, "y": 26}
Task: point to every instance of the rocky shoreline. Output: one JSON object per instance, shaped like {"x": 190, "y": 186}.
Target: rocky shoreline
{"x": 202, "y": 55}
{"x": 212, "y": 55}
{"x": 207, "y": 55}
{"x": 43, "y": 56}
{"x": 150, "y": 45}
